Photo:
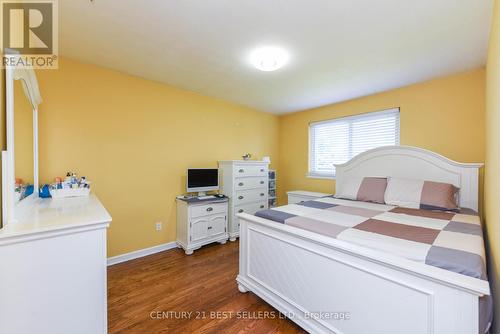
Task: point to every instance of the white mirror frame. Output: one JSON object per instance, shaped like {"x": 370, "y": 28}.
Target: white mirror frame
{"x": 12, "y": 210}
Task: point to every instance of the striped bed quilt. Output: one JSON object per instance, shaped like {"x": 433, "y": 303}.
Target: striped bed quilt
{"x": 448, "y": 240}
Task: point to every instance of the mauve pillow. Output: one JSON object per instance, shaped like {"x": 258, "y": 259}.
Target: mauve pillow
{"x": 367, "y": 189}
{"x": 372, "y": 189}
{"x": 439, "y": 196}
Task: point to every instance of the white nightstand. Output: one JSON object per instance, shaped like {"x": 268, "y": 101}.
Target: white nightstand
{"x": 298, "y": 196}
{"x": 201, "y": 222}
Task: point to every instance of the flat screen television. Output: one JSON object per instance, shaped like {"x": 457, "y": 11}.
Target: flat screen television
{"x": 202, "y": 180}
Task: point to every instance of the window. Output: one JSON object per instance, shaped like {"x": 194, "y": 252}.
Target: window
{"x": 337, "y": 141}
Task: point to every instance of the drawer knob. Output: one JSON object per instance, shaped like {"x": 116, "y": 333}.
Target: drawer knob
{"x": 210, "y": 209}
{"x": 262, "y": 170}
{"x": 262, "y": 206}
{"x": 210, "y": 227}
{"x": 240, "y": 210}
{"x": 261, "y": 182}
{"x": 240, "y": 197}
{"x": 241, "y": 170}
{"x": 262, "y": 194}
{"x": 240, "y": 184}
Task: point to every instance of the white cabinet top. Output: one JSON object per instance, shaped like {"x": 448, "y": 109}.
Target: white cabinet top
{"x": 56, "y": 216}
{"x": 307, "y": 193}
{"x": 244, "y": 162}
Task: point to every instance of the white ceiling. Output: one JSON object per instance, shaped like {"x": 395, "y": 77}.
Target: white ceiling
{"x": 340, "y": 49}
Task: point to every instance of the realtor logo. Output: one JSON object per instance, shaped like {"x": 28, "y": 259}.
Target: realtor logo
{"x": 29, "y": 28}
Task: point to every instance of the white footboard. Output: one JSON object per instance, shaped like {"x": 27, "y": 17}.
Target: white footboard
{"x": 329, "y": 286}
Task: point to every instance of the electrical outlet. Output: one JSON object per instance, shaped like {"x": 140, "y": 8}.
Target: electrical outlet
{"x": 158, "y": 226}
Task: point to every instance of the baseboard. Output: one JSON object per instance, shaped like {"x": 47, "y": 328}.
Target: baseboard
{"x": 141, "y": 253}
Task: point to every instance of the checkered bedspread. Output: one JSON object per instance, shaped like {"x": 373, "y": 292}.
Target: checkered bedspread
{"x": 448, "y": 240}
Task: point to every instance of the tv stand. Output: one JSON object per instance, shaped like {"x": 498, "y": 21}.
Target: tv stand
{"x": 201, "y": 222}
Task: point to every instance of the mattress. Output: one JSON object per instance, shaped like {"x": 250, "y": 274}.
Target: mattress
{"x": 449, "y": 240}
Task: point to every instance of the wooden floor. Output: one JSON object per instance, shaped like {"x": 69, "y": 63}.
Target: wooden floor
{"x": 149, "y": 295}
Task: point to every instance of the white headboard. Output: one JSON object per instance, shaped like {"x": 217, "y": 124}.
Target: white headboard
{"x": 416, "y": 163}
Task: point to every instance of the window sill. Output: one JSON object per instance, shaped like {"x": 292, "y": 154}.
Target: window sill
{"x": 312, "y": 176}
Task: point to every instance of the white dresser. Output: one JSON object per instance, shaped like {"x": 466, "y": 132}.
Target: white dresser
{"x": 53, "y": 269}
{"x": 201, "y": 222}
{"x": 246, "y": 184}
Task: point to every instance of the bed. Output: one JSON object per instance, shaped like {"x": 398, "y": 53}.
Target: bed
{"x": 331, "y": 284}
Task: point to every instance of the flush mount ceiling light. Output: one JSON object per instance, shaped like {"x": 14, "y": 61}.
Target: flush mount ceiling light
{"x": 269, "y": 58}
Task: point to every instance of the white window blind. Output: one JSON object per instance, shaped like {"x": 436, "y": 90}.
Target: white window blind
{"x": 337, "y": 141}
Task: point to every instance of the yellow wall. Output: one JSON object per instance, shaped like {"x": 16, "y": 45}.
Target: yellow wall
{"x": 134, "y": 139}
{"x": 492, "y": 176}
{"x": 445, "y": 115}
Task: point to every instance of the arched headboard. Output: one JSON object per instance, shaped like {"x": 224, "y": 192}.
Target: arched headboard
{"x": 416, "y": 163}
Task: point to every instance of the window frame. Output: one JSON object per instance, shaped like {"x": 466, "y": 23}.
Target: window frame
{"x": 310, "y": 173}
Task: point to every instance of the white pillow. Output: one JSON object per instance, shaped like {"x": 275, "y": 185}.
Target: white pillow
{"x": 348, "y": 188}
{"x": 403, "y": 192}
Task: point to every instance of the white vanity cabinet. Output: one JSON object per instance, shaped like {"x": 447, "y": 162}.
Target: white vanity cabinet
{"x": 53, "y": 268}
{"x": 201, "y": 222}
{"x": 246, "y": 183}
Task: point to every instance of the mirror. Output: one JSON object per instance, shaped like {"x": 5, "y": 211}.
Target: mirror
{"x": 20, "y": 160}
{"x": 23, "y": 143}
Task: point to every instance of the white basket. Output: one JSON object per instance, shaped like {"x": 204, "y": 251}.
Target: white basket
{"x": 69, "y": 192}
